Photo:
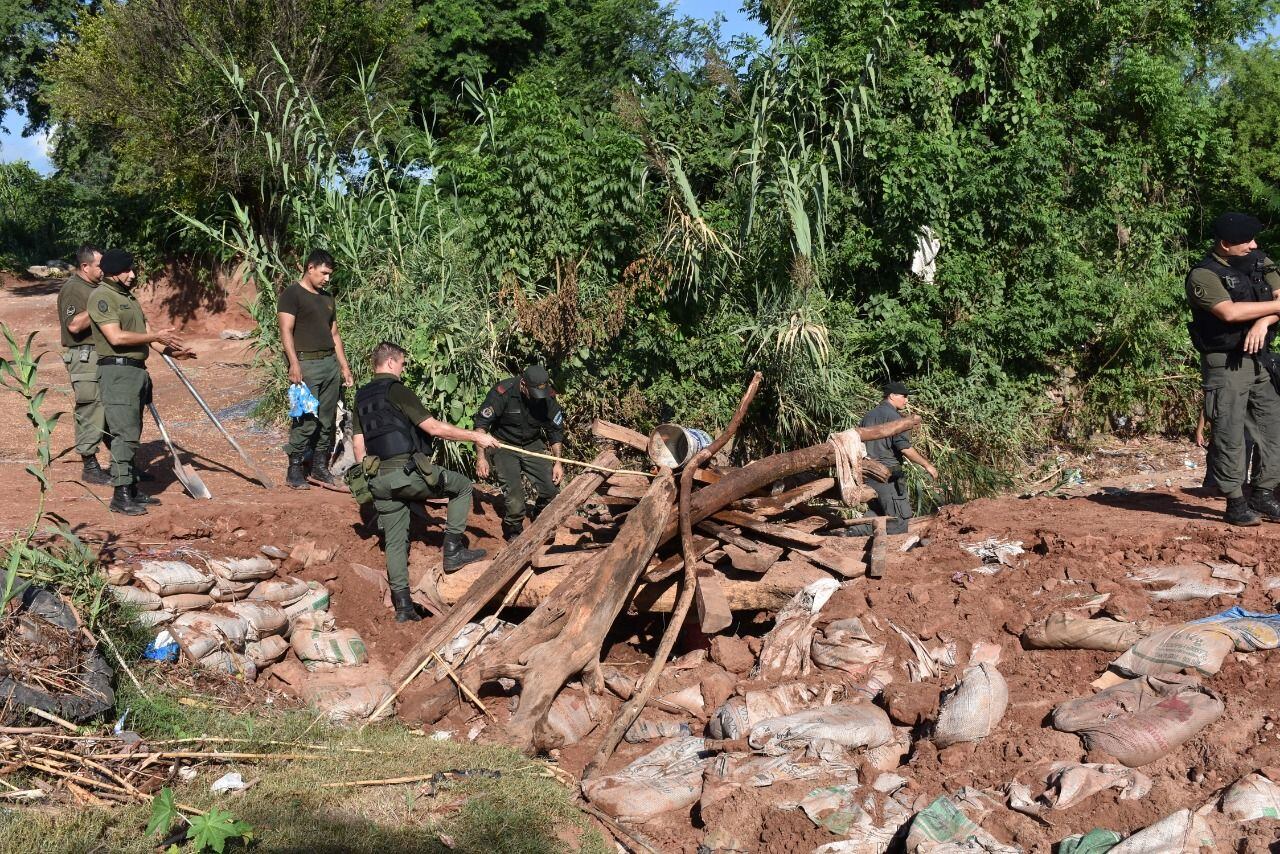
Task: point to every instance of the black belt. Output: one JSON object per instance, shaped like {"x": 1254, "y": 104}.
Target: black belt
{"x": 312, "y": 355}
{"x": 124, "y": 361}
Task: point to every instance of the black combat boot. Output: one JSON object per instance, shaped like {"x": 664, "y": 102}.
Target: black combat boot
{"x": 511, "y": 530}
{"x": 122, "y": 503}
{"x": 1239, "y": 514}
{"x": 140, "y": 498}
{"x": 91, "y": 472}
{"x": 296, "y": 477}
{"x": 141, "y": 475}
{"x": 320, "y": 465}
{"x": 405, "y": 611}
{"x": 457, "y": 555}
{"x": 1265, "y": 503}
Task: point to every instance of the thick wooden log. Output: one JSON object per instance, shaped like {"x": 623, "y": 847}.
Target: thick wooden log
{"x": 879, "y": 548}
{"x": 564, "y": 635}
{"x": 505, "y": 567}
{"x": 622, "y": 435}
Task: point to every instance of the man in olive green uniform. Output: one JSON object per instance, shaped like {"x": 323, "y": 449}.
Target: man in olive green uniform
{"x": 121, "y": 338}
{"x": 1234, "y": 308}
{"x": 313, "y": 348}
{"x": 522, "y": 412}
{"x": 81, "y": 358}
{"x": 391, "y": 424}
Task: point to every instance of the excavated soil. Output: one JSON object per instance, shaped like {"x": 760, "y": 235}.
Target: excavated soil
{"x": 1144, "y": 508}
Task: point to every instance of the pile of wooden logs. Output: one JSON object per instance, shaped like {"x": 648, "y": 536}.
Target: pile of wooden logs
{"x": 609, "y": 543}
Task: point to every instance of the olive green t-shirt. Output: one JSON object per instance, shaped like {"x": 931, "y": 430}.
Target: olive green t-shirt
{"x": 1205, "y": 289}
{"x": 112, "y": 302}
{"x": 401, "y": 398}
{"x": 313, "y": 317}
{"x": 73, "y": 298}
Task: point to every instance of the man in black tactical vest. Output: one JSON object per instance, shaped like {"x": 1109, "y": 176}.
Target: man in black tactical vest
{"x": 1234, "y": 308}
{"x": 523, "y": 411}
{"x": 390, "y": 426}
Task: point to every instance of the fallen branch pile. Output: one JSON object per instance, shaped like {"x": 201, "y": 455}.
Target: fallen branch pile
{"x": 606, "y": 545}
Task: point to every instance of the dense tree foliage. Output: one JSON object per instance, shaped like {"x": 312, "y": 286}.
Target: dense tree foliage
{"x": 657, "y": 211}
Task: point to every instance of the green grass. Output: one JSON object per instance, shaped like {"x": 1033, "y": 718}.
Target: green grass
{"x": 522, "y": 811}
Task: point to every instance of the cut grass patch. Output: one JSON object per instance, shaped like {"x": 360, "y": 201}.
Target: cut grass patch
{"x": 524, "y": 809}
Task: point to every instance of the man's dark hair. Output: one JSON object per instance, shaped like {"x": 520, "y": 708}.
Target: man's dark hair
{"x": 320, "y": 258}
{"x": 384, "y": 351}
{"x": 84, "y": 255}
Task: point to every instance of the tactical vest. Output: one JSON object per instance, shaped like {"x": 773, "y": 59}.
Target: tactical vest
{"x": 1247, "y": 283}
{"x": 388, "y": 432}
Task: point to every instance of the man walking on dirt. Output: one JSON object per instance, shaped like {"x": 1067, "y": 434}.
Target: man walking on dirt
{"x": 81, "y": 358}
{"x": 1234, "y": 308}
{"x": 121, "y": 339}
{"x": 313, "y": 348}
{"x": 391, "y": 426}
{"x": 522, "y": 412}
{"x": 891, "y": 497}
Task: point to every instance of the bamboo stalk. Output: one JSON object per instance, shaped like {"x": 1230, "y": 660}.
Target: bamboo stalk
{"x": 41, "y": 713}
{"x": 390, "y": 781}
{"x": 465, "y": 690}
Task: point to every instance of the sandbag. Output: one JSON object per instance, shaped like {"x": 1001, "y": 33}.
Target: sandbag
{"x": 283, "y": 591}
{"x": 1252, "y": 797}
{"x": 1249, "y": 630}
{"x": 1198, "y": 647}
{"x": 196, "y": 643}
{"x": 737, "y": 715}
{"x": 784, "y": 652}
{"x": 1185, "y": 582}
{"x": 731, "y": 772}
{"x": 667, "y": 778}
{"x": 315, "y": 599}
{"x": 183, "y": 602}
{"x": 151, "y": 619}
{"x": 172, "y": 577}
{"x": 1071, "y": 783}
{"x": 868, "y": 823}
{"x": 1097, "y": 841}
{"x": 231, "y": 591}
{"x": 1184, "y": 832}
{"x": 574, "y": 714}
{"x": 1066, "y": 630}
{"x": 341, "y": 647}
{"x": 269, "y": 649}
{"x": 686, "y": 701}
{"x": 262, "y": 618}
{"x": 646, "y": 730}
{"x": 943, "y": 823}
{"x": 825, "y": 732}
{"x": 231, "y": 663}
{"x": 973, "y": 708}
{"x": 312, "y": 620}
{"x": 349, "y": 694}
{"x": 256, "y": 568}
{"x": 1140, "y": 720}
{"x": 136, "y": 597}
{"x": 846, "y": 645}
{"x": 228, "y": 626}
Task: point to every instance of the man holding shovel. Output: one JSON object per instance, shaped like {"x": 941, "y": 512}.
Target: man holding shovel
{"x": 391, "y": 429}
{"x": 121, "y": 340}
{"x": 313, "y": 347}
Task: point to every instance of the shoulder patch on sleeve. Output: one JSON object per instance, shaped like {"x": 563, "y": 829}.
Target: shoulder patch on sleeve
{"x": 502, "y": 388}
{"x": 487, "y": 412}
{"x": 71, "y": 310}
{"x": 102, "y": 306}
{"x": 559, "y": 419}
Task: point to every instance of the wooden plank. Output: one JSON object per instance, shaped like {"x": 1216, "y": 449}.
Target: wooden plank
{"x": 618, "y": 433}
{"x": 773, "y": 530}
{"x": 548, "y": 559}
{"x": 879, "y": 548}
{"x": 775, "y": 504}
{"x": 727, "y": 535}
{"x": 631, "y": 493}
{"x": 757, "y": 561}
{"x": 839, "y": 555}
{"x": 675, "y": 563}
{"x": 714, "y": 613}
{"x": 483, "y": 588}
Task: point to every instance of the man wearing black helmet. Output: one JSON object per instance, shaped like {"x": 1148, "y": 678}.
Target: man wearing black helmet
{"x": 522, "y": 411}
{"x": 1232, "y": 294}
{"x": 122, "y": 341}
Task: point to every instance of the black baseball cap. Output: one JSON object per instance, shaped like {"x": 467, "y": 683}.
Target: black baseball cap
{"x": 895, "y": 387}
{"x": 538, "y": 381}
{"x": 115, "y": 262}
{"x": 1233, "y": 228}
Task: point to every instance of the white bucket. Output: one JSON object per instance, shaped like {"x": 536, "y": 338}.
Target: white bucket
{"x": 672, "y": 445}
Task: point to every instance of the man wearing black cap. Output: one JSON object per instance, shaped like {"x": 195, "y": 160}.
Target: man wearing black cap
{"x": 121, "y": 339}
{"x": 81, "y": 358}
{"x": 891, "y": 497}
{"x": 522, "y": 411}
{"x": 1232, "y": 294}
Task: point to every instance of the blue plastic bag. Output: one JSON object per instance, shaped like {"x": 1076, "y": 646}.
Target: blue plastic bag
{"x": 163, "y": 648}
{"x": 302, "y": 401}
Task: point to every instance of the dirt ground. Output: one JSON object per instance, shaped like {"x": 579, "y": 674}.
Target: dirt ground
{"x": 1141, "y": 505}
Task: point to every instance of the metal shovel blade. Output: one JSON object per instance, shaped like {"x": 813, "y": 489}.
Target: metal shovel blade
{"x": 186, "y": 475}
